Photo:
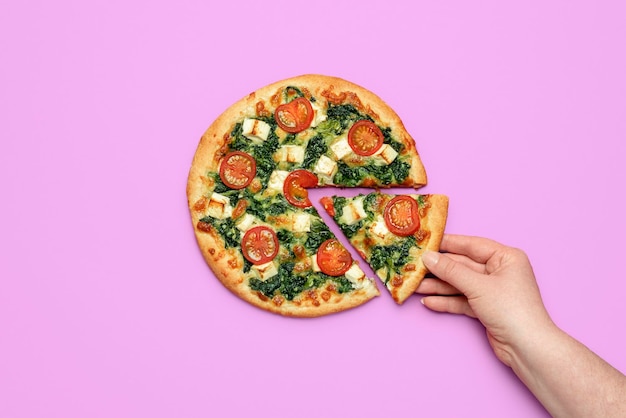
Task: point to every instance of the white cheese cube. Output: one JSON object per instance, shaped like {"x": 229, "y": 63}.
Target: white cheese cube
{"x": 266, "y": 270}
{"x": 301, "y": 222}
{"x": 325, "y": 168}
{"x": 277, "y": 180}
{"x": 341, "y": 148}
{"x": 245, "y": 222}
{"x": 219, "y": 206}
{"x": 255, "y": 130}
{"x": 314, "y": 265}
{"x": 355, "y": 274}
{"x": 290, "y": 154}
{"x": 385, "y": 155}
{"x": 353, "y": 212}
{"x": 318, "y": 114}
{"x": 379, "y": 228}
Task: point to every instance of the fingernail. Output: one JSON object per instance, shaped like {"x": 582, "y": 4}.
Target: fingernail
{"x": 422, "y": 301}
{"x": 430, "y": 257}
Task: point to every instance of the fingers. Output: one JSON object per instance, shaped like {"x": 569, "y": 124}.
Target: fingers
{"x": 463, "y": 259}
{"x": 430, "y": 286}
{"x": 476, "y": 248}
{"x": 449, "y": 304}
{"x": 457, "y": 274}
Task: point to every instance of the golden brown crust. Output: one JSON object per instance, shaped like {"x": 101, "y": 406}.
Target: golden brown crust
{"x": 227, "y": 263}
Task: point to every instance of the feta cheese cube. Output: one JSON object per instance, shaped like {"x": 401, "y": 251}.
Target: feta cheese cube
{"x": 353, "y": 212}
{"x": 265, "y": 271}
{"x": 219, "y": 206}
{"x": 255, "y": 130}
{"x": 301, "y": 222}
{"x": 341, "y": 148}
{"x": 314, "y": 265}
{"x": 277, "y": 180}
{"x": 319, "y": 114}
{"x": 379, "y": 228}
{"x": 290, "y": 154}
{"x": 245, "y": 222}
{"x": 354, "y": 273}
{"x": 325, "y": 168}
{"x": 385, "y": 155}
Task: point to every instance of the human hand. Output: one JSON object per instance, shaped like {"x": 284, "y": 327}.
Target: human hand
{"x": 483, "y": 279}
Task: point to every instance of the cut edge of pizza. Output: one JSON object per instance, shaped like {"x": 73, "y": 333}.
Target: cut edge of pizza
{"x": 251, "y": 171}
{"x": 391, "y": 232}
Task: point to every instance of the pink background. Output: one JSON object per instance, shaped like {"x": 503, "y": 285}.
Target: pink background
{"x": 107, "y": 308}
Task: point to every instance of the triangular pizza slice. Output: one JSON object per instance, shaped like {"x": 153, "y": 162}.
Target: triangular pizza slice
{"x": 391, "y": 233}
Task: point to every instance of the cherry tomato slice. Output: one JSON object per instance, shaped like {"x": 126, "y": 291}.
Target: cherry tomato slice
{"x": 259, "y": 245}
{"x": 333, "y": 258}
{"x": 295, "y": 116}
{"x": 365, "y": 138}
{"x": 295, "y": 186}
{"x": 237, "y": 169}
{"x": 402, "y": 216}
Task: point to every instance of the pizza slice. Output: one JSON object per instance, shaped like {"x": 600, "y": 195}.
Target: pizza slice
{"x": 391, "y": 232}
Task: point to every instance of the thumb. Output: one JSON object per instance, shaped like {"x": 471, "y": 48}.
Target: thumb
{"x": 450, "y": 271}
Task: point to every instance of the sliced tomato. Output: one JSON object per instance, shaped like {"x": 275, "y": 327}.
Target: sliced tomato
{"x": 259, "y": 245}
{"x": 295, "y": 116}
{"x": 327, "y": 203}
{"x": 295, "y": 186}
{"x": 237, "y": 169}
{"x": 402, "y": 216}
{"x": 365, "y": 138}
{"x": 333, "y": 258}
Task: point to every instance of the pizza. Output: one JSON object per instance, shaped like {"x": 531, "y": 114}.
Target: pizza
{"x": 247, "y": 190}
{"x": 391, "y": 232}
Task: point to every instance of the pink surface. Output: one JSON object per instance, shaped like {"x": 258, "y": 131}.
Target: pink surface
{"x": 106, "y": 306}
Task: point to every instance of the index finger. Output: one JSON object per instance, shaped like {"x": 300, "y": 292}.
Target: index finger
{"x": 477, "y": 248}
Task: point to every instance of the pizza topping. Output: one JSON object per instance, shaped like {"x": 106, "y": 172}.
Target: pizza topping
{"x": 333, "y": 258}
{"x": 385, "y": 155}
{"x": 259, "y": 245}
{"x": 204, "y": 226}
{"x": 325, "y": 169}
{"x": 402, "y": 216}
{"x": 295, "y": 185}
{"x": 255, "y": 130}
{"x": 240, "y": 208}
{"x": 265, "y": 270}
{"x": 290, "y": 154}
{"x": 353, "y": 212}
{"x": 365, "y": 138}
{"x": 327, "y": 203}
{"x": 219, "y": 206}
{"x": 237, "y": 169}
{"x": 295, "y": 116}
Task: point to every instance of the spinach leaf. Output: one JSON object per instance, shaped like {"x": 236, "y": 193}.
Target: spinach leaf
{"x": 226, "y": 228}
{"x": 393, "y": 257}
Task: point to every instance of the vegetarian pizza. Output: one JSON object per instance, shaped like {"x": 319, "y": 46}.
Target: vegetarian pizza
{"x": 391, "y": 232}
{"x": 247, "y": 190}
